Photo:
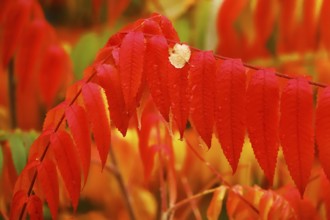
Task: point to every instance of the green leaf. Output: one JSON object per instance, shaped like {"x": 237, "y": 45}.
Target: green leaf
{"x": 85, "y": 51}
{"x": 18, "y": 151}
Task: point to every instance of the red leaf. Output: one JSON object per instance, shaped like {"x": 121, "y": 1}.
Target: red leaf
{"x": 13, "y": 26}
{"x": 54, "y": 68}
{"x": 78, "y": 124}
{"x": 29, "y": 53}
{"x": 34, "y": 208}
{"x": 151, "y": 27}
{"x": 19, "y": 198}
{"x": 202, "y": 87}
{"x": 263, "y": 119}
{"x": 47, "y": 177}
{"x": 167, "y": 28}
{"x": 230, "y": 43}
{"x": 325, "y": 24}
{"x": 109, "y": 80}
{"x": 115, "y": 9}
{"x": 98, "y": 113}
{"x": 296, "y": 130}
{"x": 53, "y": 116}
{"x": 230, "y": 109}
{"x": 179, "y": 95}
{"x": 67, "y": 162}
{"x": 322, "y": 129}
{"x": 156, "y": 70}
{"x": 131, "y": 57}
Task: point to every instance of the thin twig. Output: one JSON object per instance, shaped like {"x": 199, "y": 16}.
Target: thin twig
{"x": 123, "y": 188}
{"x": 12, "y": 94}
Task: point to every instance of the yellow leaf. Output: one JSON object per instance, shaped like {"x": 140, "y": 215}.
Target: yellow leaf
{"x": 215, "y": 207}
{"x": 179, "y": 55}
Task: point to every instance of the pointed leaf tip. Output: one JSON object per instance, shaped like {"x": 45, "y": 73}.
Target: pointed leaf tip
{"x": 230, "y": 109}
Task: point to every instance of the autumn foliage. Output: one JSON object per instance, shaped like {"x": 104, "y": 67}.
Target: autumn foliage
{"x": 145, "y": 80}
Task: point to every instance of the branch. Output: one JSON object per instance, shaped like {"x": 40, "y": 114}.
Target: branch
{"x": 12, "y": 94}
{"x": 35, "y": 175}
{"x": 123, "y": 188}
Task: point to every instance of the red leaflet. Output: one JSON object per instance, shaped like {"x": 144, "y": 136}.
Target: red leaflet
{"x": 19, "y": 198}
{"x": 131, "y": 57}
{"x": 296, "y": 130}
{"x": 325, "y": 23}
{"x": 179, "y": 95}
{"x": 54, "y": 68}
{"x": 67, "y": 162}
{"x": 151, "y": 27}
{"x": 53, "y": 116}
{"x": 29, "y": 53}
{"x": 263, "y": 119}
{"x": 202, "y": 88}
{"x": 156, "y": 70}
{"x": 34, "y": 208}
{"x": 230, "y": 44}
{"x": 109, "y": 80}
{"x": 167, "y": 28}
{"x": 98, "y": 114}
{"x": 78, "y": 124}
{"x": 323, "y": 129}
{"x": 47, "y": 177}
{"x": 115, "y": 9}
{"x": 13, "y": 25}
{"x": 230, "y": 109}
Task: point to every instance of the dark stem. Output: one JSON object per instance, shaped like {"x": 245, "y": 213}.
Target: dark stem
{"x": 123, "y": 188}
{"x": 12, "y": 94}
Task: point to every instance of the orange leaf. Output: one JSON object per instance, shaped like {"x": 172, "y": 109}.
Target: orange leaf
{"x": 131, "y": 57}
{"x": 98, "y": 113}
{"x": 230, "y": 109}
{"x": 263, "y": 119}
{"x": 323, "y": 129}
{"x": 156, "y": 70}
{"x": 108, "y": 78}
{"x": 296, "y": 130}
{"x": 215, "y": 206}
{"x": 78, "y": 124}
{"x": 67, "y": 162}
{"x": 202, "y": 88}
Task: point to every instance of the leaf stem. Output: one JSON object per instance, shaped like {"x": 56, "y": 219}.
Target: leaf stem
{"x": 123, "y": 188}
{"x": 12, "y": 94}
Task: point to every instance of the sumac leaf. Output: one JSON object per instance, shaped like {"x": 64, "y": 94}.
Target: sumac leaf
{"x": 78, "y": 124}
{"x": 67, "y": 162}
{"x": 296, "y": 130}
{"x": 108, "y": 77}
{"x": 179, "y": 96}
{"x": 156, "y": 70}
{"x": 131, "y": 57}
{"x": 34, "y": 208}
{"x": 19, "y": 198}
{"x": 202, "y": 89}
{"x": 230, "y": 109}
{"x": 322, "y": 129}
{"x": 263, "y": 119}
{"x": 47, "y": 177}
{"x": 98, "y": 113}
